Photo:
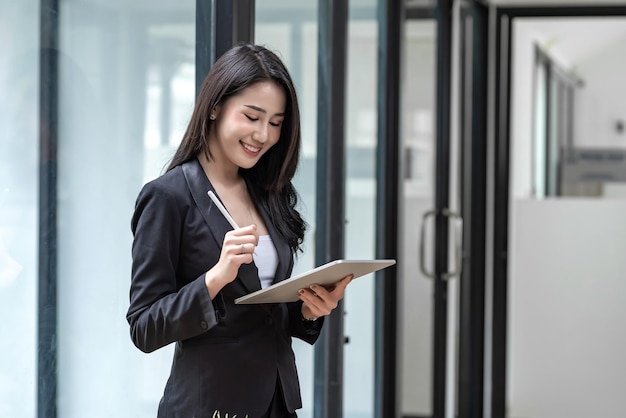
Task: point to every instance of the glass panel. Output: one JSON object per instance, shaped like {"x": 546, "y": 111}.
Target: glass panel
{"x": 566, "y": 259}
{"x": 19, "y": 176}
{"x": 126, "y": 93}
{"x": 415, "y": 290}
{"x": 361, "y": 138}
{"x": 290, "y": 29}
{"x": 552, "y": 147}
{"x": 551, "y": 119}
{"x": 540, "y": 122}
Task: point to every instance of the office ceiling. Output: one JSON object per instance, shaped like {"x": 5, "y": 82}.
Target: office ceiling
{"x": 574, "y": 40}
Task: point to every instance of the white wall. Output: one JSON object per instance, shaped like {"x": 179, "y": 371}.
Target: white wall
{"x": 602, "y": 100}
{"x": 567, "y": 314}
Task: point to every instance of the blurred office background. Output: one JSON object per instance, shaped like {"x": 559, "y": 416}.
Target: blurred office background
{"x": 510, "y": 238}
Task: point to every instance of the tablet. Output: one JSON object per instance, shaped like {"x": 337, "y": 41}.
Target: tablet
{"x": 325, "y": 275}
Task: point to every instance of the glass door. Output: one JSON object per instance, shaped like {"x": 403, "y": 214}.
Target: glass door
{"x": 424, "y": 282}
{"x": 415, "y": 293}
{"x": 443, "y": 211}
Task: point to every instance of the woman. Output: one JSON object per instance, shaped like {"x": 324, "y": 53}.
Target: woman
{"x": 189, "y": 264}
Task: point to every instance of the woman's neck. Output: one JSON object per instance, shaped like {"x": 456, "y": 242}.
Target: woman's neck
{"x": 232, "y": 191}
{"x": 219, "y": 174}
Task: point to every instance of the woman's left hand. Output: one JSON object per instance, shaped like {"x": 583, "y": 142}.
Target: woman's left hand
{"x": 320, "y": 301}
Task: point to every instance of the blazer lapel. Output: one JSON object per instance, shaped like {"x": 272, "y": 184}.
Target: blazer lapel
{"x": 199, "y": 185}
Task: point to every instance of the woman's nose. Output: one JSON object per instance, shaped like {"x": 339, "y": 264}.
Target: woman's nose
{"x": 260, "y": 134}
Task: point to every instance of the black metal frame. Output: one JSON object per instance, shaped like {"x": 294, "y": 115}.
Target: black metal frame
{"x": 205, "y": 35}
{"x": 501, "y": 214}
{"x": 48, "y": 145}
{"x": 419, "y": 12}
{"x": 473, "y": 211}
{"x": 220, "y": 24}
{"x": 330, "y": 200}
{"x": 503, "y": 37}
{"x": 390, "y": 23}
{"x": 444, "y": 15}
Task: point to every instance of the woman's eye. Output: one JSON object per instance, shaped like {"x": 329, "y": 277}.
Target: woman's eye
{"x": 275, "y": 124}
{"x": 252, "y": 118}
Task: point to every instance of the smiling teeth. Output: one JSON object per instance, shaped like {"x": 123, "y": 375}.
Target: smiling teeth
{"x": 251, "y": 149}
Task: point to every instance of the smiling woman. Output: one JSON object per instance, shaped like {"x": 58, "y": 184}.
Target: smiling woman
{"x": 189, "y": 265}
{"x": 246, "y": 126}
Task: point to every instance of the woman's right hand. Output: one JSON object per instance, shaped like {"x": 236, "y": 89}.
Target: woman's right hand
{"x": 237, "y": 249}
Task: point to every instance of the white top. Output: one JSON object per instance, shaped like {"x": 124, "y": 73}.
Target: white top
{"x": 266, "y": 260}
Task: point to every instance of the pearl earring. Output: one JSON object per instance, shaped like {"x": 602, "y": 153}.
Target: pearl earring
{"x": 212, "y": 117}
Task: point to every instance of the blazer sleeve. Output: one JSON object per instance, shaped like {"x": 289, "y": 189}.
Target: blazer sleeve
{"x": 160, "y": 312}
{"x": 308, "y": 331}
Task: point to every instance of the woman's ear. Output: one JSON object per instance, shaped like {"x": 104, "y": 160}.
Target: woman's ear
{"x": 215, "y": 112}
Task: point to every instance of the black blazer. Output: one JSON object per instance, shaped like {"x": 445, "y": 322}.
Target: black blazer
{"x": 227, "y": 357}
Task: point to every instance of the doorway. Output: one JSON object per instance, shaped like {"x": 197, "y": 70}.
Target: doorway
{"x": 559, "y": 199}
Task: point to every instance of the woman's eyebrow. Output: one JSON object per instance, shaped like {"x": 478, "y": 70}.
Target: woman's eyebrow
{"x": 260, "y": 109}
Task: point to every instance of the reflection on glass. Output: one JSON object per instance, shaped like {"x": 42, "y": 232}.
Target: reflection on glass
{"x": 360, "y": 201}
{"x": 169, "y": 93}
{"x": 19, "y": 84}
{"x": 126, "y": 91}
{"x": 553, "y": 92}
{"x": 540, "y": 121}
{"x": 418, "y": 147}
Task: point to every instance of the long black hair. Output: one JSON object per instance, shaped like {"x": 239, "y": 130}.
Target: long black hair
{"x": 270, "y": 180}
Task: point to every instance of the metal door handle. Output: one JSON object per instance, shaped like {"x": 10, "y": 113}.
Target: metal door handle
{"x": 458, "y": 257}
{"x": 422, "y": 246}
